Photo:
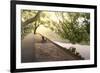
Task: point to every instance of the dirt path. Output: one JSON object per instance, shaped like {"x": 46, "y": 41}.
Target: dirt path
{"x": 28, "y": 49}
{"x": 33, "y": 49}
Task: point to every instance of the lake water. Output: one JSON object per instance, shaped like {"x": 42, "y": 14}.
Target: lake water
{"x": 84, "y": 50}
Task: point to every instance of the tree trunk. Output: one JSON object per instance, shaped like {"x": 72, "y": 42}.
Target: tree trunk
{"x": 35, "y": 30}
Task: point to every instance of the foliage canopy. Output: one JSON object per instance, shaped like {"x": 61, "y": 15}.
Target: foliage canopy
{"x": 74, "y": 26}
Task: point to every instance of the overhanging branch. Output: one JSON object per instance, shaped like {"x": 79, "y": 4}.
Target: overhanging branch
{"x": 32, "y": 19}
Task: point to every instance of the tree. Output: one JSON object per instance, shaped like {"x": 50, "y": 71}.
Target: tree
{"x": 73, "y": 26}
{"x": 86, "y": 21}
{"x": 30, "y": 21}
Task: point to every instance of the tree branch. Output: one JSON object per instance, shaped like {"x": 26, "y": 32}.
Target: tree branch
{"x": 32, "y": 19}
